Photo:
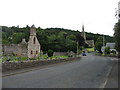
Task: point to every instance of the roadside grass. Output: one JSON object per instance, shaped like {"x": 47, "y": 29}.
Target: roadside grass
{"x": 63, "y": 57}
{"x": 44, "y": 56}
{"x": 13, "y": 58}
{"x": 20, "y": 58}
{"x": 98, "y": 54}
{"x": 55, "y": 57}
{"x": 109, "y": 55}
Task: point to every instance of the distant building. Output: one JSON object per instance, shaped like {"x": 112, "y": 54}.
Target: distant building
{"x": 89, "y": 42}
{"x": 30, "y": 49}
{"x": 33, "y": 44}
{"x": 111, "y": 45}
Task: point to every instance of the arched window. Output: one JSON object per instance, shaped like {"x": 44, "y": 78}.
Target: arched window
{"x": 36, "y": 52}
{"x": 31, "y": 52}
{"x": 34, "y": 40}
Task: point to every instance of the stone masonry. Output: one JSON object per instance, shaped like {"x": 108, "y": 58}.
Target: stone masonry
{"x": 33, "y": 44}
{"x": 30, "y": 49}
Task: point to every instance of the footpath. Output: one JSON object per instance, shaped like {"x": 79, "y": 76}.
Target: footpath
{"x": 113, "y": 78}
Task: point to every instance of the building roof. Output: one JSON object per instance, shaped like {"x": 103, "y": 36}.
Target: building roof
{"x": 33, "y": 26}
{"x": 111, "y": 45}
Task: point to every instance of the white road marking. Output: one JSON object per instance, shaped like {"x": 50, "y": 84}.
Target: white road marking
{"x": 114, "y": 58}
{"x": 105, "y": 82}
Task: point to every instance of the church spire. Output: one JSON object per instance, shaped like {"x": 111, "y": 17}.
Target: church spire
{"x": 83, "y": 28}
{"x": 83, "y": 33}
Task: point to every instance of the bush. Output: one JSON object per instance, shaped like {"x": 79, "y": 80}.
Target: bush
{"x": 114, "y": 52}
{"x": 107, "y": 50}
{"x": 50, "y": 53}
{"x": 98, "y": 46}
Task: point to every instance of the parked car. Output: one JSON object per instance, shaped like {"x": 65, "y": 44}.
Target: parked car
{"x": 83, "y": 54}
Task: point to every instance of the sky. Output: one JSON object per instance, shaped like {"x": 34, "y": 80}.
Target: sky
{"x": 98, "y": 16}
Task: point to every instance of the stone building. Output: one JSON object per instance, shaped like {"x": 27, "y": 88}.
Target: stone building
{"x": 89, "y": 42}
{"x": 33, "y": 44}
{"x": 30, "y": 49}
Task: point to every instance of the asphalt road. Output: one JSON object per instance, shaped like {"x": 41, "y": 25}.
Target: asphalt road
{"x": 89, "y": 72}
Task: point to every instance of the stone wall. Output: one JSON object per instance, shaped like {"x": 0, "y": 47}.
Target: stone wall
{"x": 8, "y": 66}
{"x": 60, "y": 53}
{"x": 16, "y": 49}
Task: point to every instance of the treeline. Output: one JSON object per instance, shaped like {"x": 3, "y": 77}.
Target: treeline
{"x": 57, "y": 39}
{"x": 117, "y": 36}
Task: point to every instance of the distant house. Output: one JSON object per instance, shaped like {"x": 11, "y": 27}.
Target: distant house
{"x": 111, "y": 45}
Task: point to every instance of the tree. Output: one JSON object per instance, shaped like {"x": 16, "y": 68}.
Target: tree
{"x": 107, "y": 50}
{"x": 117, "y": 37}
{"x": 80, "y": 39}
{"x": 99, "y": 44}
{"x": 17, "y": 37}
{"x": 50, "y": 53}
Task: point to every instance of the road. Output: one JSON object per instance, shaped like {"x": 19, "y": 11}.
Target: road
{"x": 88, "y": 72}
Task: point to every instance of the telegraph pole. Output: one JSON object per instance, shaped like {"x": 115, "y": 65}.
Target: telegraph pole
{"x": 103, "y": 44}
{"x": 77, "y": 48}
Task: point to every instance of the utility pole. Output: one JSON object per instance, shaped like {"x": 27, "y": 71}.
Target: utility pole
{"x": 77, "y": 48}
{"x": 103, "y": 44}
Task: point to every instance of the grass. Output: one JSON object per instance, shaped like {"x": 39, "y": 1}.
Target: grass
{"x": 90, "y": 49}
{"x": 98, "y": 54}
{"x": 45, "y": 56}
{"x": 19, "y": 58}
{"x": 13, "y": 58}
{"x": 56, "y": 57}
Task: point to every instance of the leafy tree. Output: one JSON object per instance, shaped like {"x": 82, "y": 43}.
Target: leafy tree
{"x": 80, "y": 39}
{"x": 71, "y": 37}
{"x": 98, "y": 46}
{"x": 17, "y": 37}
{"x": 107, "y": 50}
{"x": 117, "y": 37}
{"x": 50, "y": 53}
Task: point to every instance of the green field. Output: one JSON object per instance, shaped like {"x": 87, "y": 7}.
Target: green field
{"x": 90, "y": 49}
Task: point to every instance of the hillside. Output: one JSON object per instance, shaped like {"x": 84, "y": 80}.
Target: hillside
{"x": 57, "y": 39}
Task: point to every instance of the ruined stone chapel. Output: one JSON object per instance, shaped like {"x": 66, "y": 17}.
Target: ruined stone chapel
{"x": 30, "y": 49}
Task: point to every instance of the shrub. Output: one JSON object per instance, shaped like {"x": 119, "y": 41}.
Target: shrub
{"x": 50, "y": 53}
{"x": 114, "y": 52}
{"x": 107, "y": 50}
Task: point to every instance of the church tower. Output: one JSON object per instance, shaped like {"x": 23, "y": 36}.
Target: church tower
{"x": 33, "y": 44}
{"x": 83, "y": 33}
